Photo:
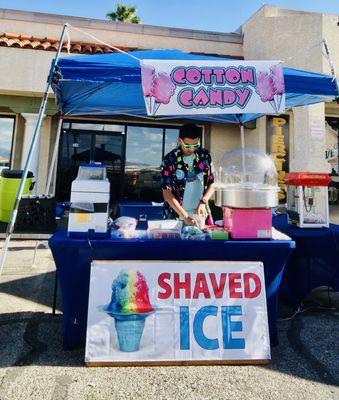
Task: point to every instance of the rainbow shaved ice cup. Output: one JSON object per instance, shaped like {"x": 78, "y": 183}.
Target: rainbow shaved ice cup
{"x": 129, "y": 306}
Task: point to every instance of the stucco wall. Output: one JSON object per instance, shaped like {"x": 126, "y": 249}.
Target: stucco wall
{"x": 273, "y": 33}
{"x": 224, "y": 137}
{"x": 24, "y": 72}
{"x": 331, "y": 34}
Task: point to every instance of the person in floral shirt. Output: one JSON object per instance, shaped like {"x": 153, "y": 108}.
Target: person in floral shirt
{"x": 187, "y": 180}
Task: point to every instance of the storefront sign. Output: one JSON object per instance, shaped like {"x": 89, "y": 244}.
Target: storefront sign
{"x": 169, "y": 311}
{"x": 212, "y": 87}
{"x": 277, "y": 148}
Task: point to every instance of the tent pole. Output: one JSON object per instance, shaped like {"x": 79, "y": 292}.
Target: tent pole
{"x": 242, "y": 140}
{"x": 10, "y": 226}
{"x": 54, "y": 156}
{"x": 331, "y": 67}
{"x": 242, "y": 136}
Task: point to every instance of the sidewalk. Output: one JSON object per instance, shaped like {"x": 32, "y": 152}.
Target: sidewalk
{"x": 34, "y": 365}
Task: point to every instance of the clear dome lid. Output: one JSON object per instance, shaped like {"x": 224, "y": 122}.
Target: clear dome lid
{"x": 246, "y": 168}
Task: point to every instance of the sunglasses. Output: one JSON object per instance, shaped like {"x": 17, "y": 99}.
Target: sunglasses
{"x": 190, "y": 146}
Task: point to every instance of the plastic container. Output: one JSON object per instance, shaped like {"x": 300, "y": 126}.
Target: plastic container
{"x": 165, "y": 224}
{"x": 164, "y": 234}
{"x": 9, "y": 185}
{"x": 246, "y": 178}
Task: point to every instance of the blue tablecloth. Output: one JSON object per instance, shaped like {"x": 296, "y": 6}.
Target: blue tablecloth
{"x": 314, "y": 263}
{"x": 73, "y": 257}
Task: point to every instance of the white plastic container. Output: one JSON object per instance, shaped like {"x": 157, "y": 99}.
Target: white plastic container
{"x": 89, "y": 209}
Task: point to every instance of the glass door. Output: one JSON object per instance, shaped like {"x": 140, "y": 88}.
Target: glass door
{"x": 85, "y": 146}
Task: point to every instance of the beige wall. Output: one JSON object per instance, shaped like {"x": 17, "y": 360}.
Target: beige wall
{"x": 24, "y": 72}
{"x": 257, "y": 137}
{"x": 44, "y": 151}
{"x": 224, "y": 137}
{"x": 331, "y": 34}
{"x": 295, "y": 38}
{"x": 273, "y": 33}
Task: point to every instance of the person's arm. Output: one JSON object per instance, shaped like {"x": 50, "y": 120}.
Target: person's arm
{"x": 174, "y": 204}
{"x": 209, "y": 193}
{"x": 201, "y": 209}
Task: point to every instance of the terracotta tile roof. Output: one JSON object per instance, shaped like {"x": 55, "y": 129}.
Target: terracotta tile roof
{"x": 51, "y": 44}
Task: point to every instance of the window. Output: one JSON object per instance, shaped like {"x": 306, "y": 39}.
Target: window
{"x": 171, "y": 139}
{"x": 134, "y": 155}
{"x": 144, "y": 149}
{"x": 6, "y": 140}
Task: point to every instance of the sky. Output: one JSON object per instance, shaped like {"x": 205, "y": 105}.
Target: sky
{"x": 211, "y": 15}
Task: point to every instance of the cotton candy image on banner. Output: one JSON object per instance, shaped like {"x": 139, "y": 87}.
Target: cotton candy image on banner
{"x": 168, "y": 311}
{"x": 205, "y": 87}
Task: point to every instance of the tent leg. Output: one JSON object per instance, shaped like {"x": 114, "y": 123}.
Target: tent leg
{"x": 10, "y": 226}
{"x": 54, "y": 157}
{"x": 242, "y": 136}
{"x": 242, "y": 141}
{"x": 333, "y": 72}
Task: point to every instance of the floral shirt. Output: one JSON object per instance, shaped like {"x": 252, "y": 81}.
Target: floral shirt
{"x": 174, "y": 173}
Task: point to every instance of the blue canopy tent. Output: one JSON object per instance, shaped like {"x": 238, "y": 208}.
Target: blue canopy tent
{"x": 110, "y": 84}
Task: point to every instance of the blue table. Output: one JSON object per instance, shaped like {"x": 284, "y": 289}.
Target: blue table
{"x": 314, "y": 263}
{"x": 74, "y": 256}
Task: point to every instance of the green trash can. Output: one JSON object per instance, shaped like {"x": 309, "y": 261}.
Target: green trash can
{"x": 9, "y": 185}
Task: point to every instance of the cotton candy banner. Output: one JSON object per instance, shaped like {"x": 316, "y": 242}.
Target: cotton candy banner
{"x": 212, "y": 87}
{"x": 175, "y": 312}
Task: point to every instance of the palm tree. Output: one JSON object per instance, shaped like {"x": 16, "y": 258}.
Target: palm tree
{"x": 124, "y": 14}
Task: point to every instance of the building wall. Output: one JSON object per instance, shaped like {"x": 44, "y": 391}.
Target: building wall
{"x": 330, "y": 32}
{"x": 224, "y": 137}
{"x": 295, "y": 37}
{"x": 24, "y": 72}
{"x": 273, "y": 33}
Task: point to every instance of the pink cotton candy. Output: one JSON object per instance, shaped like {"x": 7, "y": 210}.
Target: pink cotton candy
{"x": 147, "y": 73}
{"x": 277, "y": 76}
{"x": 163, "y": 88}
{"x": 265, "y": 87}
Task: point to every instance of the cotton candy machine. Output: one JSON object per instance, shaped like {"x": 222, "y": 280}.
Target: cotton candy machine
{"x": 247, "y": 189}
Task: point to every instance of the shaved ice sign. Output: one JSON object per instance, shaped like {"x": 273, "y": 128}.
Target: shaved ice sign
{"x": 169, "y": 311}
{"x": 212, "y": 87}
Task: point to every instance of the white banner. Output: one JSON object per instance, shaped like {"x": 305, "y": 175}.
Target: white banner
{"x": 169, "y": 311}
{"x": 212, "y": 87}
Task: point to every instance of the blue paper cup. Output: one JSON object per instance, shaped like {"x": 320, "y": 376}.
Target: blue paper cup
{"x": 129, "y": 329}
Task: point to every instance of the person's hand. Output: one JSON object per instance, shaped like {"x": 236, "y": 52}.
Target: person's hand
{"x": 201, "y": 210}
{"x": 190, "y": 221}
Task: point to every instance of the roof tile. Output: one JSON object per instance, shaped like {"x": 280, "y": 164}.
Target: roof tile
{"x": 9, "y": 39}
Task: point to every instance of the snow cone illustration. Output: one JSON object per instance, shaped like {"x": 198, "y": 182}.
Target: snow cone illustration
{"x": 129, "y": 306}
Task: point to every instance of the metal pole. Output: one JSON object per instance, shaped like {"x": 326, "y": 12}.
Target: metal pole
{"x": 331, "y": 68}
{"x": 10, "y": 226}
{"x": 242, "y": 136}
{"x": 54, "y": 157}
{"x": 242, "y": 140}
